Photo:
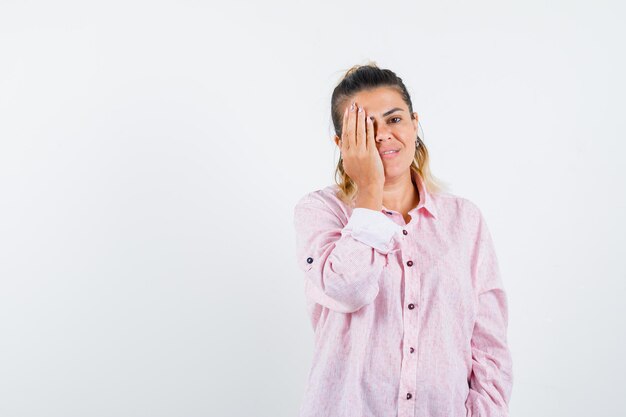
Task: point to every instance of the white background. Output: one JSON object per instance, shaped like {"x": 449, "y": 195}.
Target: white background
{"x": 151, "y": 154}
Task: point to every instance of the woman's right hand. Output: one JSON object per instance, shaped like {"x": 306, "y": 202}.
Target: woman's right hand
{"x": 361, "y": 160}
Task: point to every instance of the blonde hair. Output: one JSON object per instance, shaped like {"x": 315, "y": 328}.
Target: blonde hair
{"x": 365, "y": 77}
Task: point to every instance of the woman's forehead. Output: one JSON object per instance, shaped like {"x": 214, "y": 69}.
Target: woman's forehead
{"x": 380, "y": 99}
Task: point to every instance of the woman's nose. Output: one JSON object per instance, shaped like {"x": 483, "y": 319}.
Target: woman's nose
{"x": 381, "y": 133}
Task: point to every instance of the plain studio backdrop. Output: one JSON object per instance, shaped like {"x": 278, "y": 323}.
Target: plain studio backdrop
{"x": 151, "y": 155}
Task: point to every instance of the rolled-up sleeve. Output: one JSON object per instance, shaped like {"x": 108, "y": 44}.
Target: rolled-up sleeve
{"x": 341, "y": 263}
{"x": 491, "y": 379}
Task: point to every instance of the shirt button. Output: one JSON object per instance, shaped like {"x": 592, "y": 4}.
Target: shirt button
{"x": 408, "y": 396}
{"x": 410, "y": 263}
{"x": 411, "y": 306}
{"x": 309, "y": 260}
{"x": 411, "y": 350}
{"x": 405, "y": 232}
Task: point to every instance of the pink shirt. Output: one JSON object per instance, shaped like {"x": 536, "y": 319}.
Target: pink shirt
{"x": 410, "y": 320}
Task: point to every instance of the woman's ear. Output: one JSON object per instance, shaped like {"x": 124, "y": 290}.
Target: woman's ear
{"x": 337, "y": 141}
{"x": 415, "y": 119}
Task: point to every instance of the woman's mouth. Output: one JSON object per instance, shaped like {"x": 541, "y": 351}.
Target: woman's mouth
{"x": 390, "y": 154}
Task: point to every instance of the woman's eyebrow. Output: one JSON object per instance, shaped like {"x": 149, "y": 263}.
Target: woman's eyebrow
{"x": 391, "y": 111}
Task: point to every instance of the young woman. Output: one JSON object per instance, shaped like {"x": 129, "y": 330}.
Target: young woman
{"x": 401, "y": 278}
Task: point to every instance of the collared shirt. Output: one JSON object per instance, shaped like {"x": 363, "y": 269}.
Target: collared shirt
{"x": 410, "y": 320}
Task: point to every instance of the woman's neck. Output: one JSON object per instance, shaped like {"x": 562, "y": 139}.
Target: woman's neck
{"x": 401, "y": 196}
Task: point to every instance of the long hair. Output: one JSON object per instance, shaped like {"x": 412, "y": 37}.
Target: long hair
{"x": 366, "y": 77}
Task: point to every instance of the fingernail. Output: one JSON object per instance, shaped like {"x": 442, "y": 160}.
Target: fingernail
{"x": 360, "y": 109}
{"x": 352, "y": 107}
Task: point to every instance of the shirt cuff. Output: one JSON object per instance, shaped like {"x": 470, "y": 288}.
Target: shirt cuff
{"x": 372, "y": 228}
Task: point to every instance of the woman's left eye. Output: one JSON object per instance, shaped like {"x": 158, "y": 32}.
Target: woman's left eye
{"x": 393, "y": 118}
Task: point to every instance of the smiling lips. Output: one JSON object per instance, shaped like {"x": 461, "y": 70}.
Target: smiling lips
{"x": 389, "y": 153}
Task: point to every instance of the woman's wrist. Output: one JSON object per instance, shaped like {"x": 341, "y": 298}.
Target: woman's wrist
{"x": 370, "y": 197}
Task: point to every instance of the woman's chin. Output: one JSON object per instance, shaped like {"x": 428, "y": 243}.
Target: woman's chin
{"x": 393, "y": 169}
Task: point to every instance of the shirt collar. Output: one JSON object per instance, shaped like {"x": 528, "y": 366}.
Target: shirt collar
{"x": 426, "y": 198}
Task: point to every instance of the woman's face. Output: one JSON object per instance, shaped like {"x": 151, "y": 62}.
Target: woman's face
{"x": 393, "y": 127}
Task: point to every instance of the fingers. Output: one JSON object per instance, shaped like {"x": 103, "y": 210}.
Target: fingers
{"x": 345, "y": 145}
{"x": 360, "y": 129}
{"x": 349, "y": 127}
{"x": 370, "y": 133}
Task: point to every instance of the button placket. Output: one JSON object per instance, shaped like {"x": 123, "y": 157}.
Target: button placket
{"x": 410, "y": 323}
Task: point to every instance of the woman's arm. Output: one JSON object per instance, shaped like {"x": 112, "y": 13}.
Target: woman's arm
{"x": 491, "y": 379}
{"x": 341, "y": 264}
